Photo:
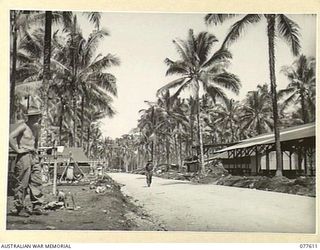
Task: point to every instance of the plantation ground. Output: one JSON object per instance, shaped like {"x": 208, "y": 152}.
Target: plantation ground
{"x": 110, "y": 210}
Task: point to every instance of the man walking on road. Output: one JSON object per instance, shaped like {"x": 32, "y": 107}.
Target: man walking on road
{"x": 24, "y": 140}
{"x": 149, "y": 172}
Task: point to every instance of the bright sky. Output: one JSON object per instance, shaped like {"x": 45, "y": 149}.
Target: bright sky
{"x": 143, "y": 40}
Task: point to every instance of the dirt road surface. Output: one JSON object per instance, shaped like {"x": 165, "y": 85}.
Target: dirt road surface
{"x": 184, "y": 206}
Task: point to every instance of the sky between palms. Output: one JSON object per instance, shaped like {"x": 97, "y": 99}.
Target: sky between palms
{"x": 144, "y": 40}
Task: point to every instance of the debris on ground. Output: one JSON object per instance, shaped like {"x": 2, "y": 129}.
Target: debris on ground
{"x": 217, "y": 174}
{"x": 109, "y": 210}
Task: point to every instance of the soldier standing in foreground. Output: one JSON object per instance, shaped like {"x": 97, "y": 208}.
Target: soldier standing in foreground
{"x": 24, "y": 141}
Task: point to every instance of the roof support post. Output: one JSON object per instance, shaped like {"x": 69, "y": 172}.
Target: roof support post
{"x": 299, "y": 160}
{"x": 290, "y": 163}
{"x": 267, "y": 162}
{"x": 305, "y": 160}
{"x": 257, "y": 160}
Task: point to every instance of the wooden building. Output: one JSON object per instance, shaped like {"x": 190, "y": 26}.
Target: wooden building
{"x": 256, "y": 155}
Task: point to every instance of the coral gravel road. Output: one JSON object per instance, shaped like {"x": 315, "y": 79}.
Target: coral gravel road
{"x": 185, "y": 206}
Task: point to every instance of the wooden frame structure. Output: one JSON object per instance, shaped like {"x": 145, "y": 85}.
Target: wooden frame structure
{"x": 245, "y": 156}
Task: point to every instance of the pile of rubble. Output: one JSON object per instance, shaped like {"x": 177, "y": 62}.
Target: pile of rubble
{"x": 216, "y": 174}
{"x": 174, "y": 175}
{"x": 101, "y": 185}
{"x": 67, "y": 200}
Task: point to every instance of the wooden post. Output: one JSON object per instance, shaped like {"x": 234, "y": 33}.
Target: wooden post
{"x": 54, "y": 188}
{"x": 290, "y": 163}
{"x": 305, "y": 161}
{"x": 257, "y": 160}
{"x": 267, "y": 162}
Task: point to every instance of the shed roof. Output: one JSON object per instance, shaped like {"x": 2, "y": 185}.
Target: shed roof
{"x": 287, "y": 134}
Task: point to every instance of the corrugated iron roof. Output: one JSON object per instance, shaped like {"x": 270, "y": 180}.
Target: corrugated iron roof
{"x": 288, "y": 134}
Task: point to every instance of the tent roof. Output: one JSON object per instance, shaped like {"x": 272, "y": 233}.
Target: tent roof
{"x": 288, "y": 134}
{"x": 77, "y": 154}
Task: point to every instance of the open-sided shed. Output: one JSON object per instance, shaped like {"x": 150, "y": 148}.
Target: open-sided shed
{"x": 256, "y": 155}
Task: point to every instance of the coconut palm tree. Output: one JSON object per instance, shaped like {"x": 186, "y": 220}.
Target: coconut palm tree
{"x": 93, "y": 116}
{"x": 150, "y": 123}
{"x": 68, "y": 19}
{"x": 173, "y": 117}
{"x": 301, "y": 88}
{"x": 20, "y": 21}
{"x": 288, "y": 30}
{"x": 256, "y": 114}
{"x": 228, "y": 117}
{"x": 198, "y": 69}
{"x": 89, "y": 81}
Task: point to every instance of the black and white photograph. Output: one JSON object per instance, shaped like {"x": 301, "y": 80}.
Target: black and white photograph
{"x": 161, "y": 121}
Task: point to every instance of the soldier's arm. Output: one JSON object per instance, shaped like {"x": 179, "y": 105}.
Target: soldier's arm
{"x": 14, "y": 134}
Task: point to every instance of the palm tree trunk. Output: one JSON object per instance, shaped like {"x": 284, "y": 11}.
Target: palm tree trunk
{"x": 191, "y": 133}
{"x": 13, "y": 67}
{"x": 303, "y": 107}
{"x": 88, "y": 140}
{"x": 175, "y": 150}
{"x": 82, "y": 121}
{"x": 60, "y": 124}
{"x": 180, "y": 153}
{"x": 152, "y": 150}
{"x": 46, "y": 72}
{"x": 74, "y": 90}
{"x": 259, "y": 130}
{"x": 202, "y": 168}
{"x": 167, "y": 150}
{"x": 271, "y": 36}
{"x": 74, "y": 104}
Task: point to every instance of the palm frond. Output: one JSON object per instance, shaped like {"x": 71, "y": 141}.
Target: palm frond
{"x": 216, "y": 93}
{"x": 204, "y": 43}
{"x": 238, "y": 27}
{"x": 172, "y": 84}
{"x": 105, "y": 81}
{"x": 227, "y": 80}
{"x": 94, "y": 18}
{"x": 62, "y": 16}
{"x": 217, "y": 18}
{"x": 32, "y": 44}
{"x": 181, "y": 49}
{"x": 105, "y": 62}
{"x": 284, "y": 92}
{"x": 220, "y": 55}
{"x": 289, "y": 30}
{"x": 60, "y": 65}
{"x": 181, "y": 88}
{"x": 291, "y": 99}
{"x": 178, "y": 67}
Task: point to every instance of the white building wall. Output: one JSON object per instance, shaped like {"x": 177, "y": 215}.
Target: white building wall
{"x": 286, "y": 161}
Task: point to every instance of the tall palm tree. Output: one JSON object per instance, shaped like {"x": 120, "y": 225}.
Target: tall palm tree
{"x": 20, "y": 21}
{"x": 256, "y": 114}
{"x": 173, "y": 117}
{"x": 301, "y": 88}
{"x": 89, "y": 80}
{"x": 288, "y": 30}
{"x": 64, "y": 17}
{"x": 150, "y": 123}
{"x": 228, "y": 118}
{"x": 50, "y": 17}
{"x": 198, "y": 69}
